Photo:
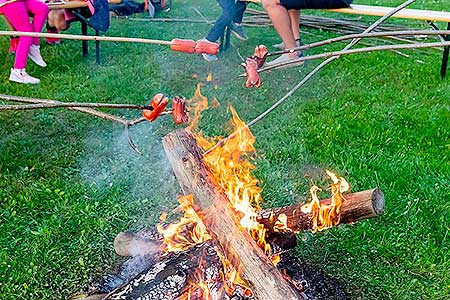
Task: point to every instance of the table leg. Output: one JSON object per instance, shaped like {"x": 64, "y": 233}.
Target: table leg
{"x": 84, "y": 43}
{"x": 446, "y": 55}
{"x": 97, "y": 49}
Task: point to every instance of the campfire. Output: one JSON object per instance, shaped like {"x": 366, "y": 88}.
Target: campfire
{"x": 223, "y": 245}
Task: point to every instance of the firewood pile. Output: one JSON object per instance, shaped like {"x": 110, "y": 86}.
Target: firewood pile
{"x": 224, "y": 246}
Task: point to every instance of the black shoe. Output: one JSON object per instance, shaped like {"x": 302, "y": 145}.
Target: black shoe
{"x": 238, "y": 31}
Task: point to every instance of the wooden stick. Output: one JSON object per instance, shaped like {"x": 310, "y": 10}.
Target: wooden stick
{"x": 357, "y": 206}
{"x": 368, "y": 35}
{"x": 80, "y": 109}
{"x": 333, "y": 54}
{"x": 222, "y": 222}
{"x": 85, "y": 37}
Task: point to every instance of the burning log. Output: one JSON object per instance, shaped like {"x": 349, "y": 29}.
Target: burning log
{"x": 149, "y": 242}
{"x": 357, "y": 206}
{"x": 213, "y": 206}
{"x": 169, "y": 277}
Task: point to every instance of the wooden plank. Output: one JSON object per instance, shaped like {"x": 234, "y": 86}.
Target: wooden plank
{"x": 415, "y": 14}
{"x": 222, "y": 221}
{"x": 74, "y": 4}
{"x": 379, "y": 11}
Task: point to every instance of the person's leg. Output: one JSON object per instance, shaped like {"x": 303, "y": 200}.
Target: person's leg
{"x": 223, "y": 21}
{"x": 14, "y": 40}
{"x": 236, "y": 27}
{"x": 39, "y": 10}
{"x": 294, "y": 15}
{"x": 56, "y": 19}
{"x": 17, "y": 15}
{"x": 240, "y": 8}
{"x": 281, "y": 21}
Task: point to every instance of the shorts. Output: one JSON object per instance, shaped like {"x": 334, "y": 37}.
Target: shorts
{"x": 315, "y": 4}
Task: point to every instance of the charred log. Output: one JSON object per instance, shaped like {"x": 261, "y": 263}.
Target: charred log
{"x": 169, "y": 277}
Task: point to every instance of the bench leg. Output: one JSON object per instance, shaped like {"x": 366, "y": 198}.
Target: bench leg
{"x": 84, "y": 43}
{"x": 97, "y": 49}
{"x": 446, "y": 55}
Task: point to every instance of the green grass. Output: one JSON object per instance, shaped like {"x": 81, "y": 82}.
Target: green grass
{"x": 69, "y": 183}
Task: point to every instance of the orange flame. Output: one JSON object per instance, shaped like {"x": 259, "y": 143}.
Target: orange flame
{"x": 174, "y": 236}
{"x": 209, "y": 77}
{"x": 325, "y": 216}
{"x": 231, "y": 169}
{"x": 232, "y": 277}
{"x": 280, "y": 224}
{"x": 201, "y": 104}
{"x": 198, "y": 287}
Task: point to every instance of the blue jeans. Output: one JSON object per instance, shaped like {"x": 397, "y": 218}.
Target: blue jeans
{"x": 231, "y": 11}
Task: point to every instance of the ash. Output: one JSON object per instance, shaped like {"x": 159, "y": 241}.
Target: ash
{"x": 313, "y": 281}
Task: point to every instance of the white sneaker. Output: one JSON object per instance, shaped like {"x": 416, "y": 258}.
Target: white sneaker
{"x": 209, "y": 57}
{"x": 281, "y": 45}
{"x": 284, "y": 58}
{"x": 35, "y": 55}
{"x": 20, "y": 76}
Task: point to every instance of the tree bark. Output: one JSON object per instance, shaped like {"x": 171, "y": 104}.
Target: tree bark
{"x": 357, "y": 206}
{"x": 212, "y": 205}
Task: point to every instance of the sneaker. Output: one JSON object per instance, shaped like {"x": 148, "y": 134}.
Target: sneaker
{"x": 281, "y": 45}
{"x": 20, "y": 76}
{"x": 14, "y": 42}
{"x": 52, "y": 41}
{"x": 209, "y": 57}
{"x": 238, "y": 31}
{"x": 285, "y": 58}
{"x": 35, "y": 55}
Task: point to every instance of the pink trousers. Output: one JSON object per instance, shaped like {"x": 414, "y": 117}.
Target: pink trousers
{"x": 18, "y": 14}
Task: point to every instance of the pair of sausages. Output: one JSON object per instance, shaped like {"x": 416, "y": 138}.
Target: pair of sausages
{"x": 159, "y": 103}
{"x": 252, "y": 64}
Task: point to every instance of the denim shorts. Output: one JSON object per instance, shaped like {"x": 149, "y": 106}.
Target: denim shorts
{"x": 315, "y": 4}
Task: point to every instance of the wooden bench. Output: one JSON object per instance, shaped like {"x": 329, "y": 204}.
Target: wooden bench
{"x": 413, "y": 14}
{"x": 429, "y": 16}
{"x": 75, "y": 6}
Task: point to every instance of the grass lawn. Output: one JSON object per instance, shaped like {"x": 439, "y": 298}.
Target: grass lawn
{"x": 69, "y": 183}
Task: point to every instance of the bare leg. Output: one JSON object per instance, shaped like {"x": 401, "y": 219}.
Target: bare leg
{"x": 294, "y": 15}
{"x": 281, "y": 21}
{"x": 56, "y": 19}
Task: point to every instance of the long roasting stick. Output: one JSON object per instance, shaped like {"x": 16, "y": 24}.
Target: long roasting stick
{"x": 367, "y": 35}
{"x": 355, "y": 51}
{"x": 86, "y": 37}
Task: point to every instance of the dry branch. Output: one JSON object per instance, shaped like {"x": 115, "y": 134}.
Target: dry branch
{"x": 212, "y": 205}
